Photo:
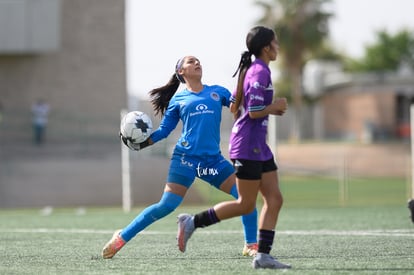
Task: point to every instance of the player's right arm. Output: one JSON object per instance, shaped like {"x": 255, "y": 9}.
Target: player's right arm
{"x": 136, "y": 146}
{"x": 168, "y": 122}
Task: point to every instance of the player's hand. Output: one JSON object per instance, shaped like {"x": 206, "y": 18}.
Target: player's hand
{"x": 129, "y": 144}
{"x": 279, "y": 106}
{"x": 133, "y": 146}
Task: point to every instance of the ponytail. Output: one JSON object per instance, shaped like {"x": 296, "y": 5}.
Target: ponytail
{"x": 160, "y": 97}
{"x": 245, "y": 62}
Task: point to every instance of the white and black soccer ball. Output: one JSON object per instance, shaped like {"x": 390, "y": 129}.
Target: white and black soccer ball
{"x": 136, "y": 126}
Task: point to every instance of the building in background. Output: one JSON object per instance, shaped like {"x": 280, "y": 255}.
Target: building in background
{"x": 359, "y": 107}
{"x": 70, "y": 53}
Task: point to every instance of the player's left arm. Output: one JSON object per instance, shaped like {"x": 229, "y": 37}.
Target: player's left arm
{"x": 257, "y": 104}
{"x": 226, "y": 97}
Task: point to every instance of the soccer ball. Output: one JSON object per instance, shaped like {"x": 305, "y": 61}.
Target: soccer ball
{"x": 136, "y": 126}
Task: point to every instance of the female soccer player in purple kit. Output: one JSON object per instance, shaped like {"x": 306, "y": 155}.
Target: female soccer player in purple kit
{"x": 256, "y": 170}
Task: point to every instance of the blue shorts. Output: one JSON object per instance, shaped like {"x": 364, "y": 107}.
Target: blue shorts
{"x": 212, "y": 169}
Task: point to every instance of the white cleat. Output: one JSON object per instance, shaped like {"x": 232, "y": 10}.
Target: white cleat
{"x": 185, "y": 230}
{"x": 263, "y": 260}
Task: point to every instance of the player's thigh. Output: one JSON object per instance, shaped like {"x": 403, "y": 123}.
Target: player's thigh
{"x": 223, "y": 177}
{"x": 227, "y": 184}
{"x": 248, "y": 190}
{"x": 176, "y": 188}
{"x": 269, "y": 186}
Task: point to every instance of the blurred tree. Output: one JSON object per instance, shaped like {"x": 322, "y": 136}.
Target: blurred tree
{"x": 386, "y": 53}
{"x": 302, "y": 28}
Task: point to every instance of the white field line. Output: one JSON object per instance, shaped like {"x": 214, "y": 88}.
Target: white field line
{"x": 322, "y": 232}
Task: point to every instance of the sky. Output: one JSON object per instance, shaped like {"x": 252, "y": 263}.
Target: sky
{"x": 159, "y": 32}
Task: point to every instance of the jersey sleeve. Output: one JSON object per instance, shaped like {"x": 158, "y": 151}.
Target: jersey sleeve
{"x": 255, "y": 94}
{"x": 233, "y": 95}
{"x": 226, "y": 97}
{"x": 168, "y": 122}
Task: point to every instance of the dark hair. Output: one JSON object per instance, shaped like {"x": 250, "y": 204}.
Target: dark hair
{"x": 160, "y": 97}
{"x": 257, "y": 38}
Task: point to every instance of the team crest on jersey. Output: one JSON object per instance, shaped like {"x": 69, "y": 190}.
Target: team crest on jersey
{"x": 215, "y": 96}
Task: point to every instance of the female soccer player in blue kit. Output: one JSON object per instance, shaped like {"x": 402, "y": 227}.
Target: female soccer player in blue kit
{"x": 256, "y": 170}
{"x": 196, "y": 154}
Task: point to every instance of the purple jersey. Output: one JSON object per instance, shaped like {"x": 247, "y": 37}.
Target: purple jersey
{"x": 248, "y": 136}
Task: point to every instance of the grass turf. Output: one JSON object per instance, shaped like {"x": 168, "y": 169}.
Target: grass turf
{"x": 362, "y": 240}
{"x": 368, "y": 233}
{"x": 323, "y": 191}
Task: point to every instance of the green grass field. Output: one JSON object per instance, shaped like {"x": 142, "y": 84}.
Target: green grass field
{"x": 371, "y": 234}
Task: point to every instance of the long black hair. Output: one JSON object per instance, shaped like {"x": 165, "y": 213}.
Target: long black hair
{"x": 160, "y": 97}
{"x": 257, "y": 38}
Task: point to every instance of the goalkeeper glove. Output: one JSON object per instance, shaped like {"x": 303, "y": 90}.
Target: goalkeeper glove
{"x": 134, "y": 146}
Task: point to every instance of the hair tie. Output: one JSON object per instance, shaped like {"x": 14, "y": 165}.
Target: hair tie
{"x": 177, "y": 68}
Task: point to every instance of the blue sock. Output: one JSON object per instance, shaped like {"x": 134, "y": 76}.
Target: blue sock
{"x": 168, "y": 203}
{"x": 249, "y": 221}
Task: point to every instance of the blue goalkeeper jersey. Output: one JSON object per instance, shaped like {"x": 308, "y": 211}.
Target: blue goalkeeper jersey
{"x": 200, "y": 114}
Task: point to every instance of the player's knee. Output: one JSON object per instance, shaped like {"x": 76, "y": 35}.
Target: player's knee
{"x": 247, "y": 207}
{"x": 170, "y": 201}
{"x": 163, "y": 208}
{"x": 275, "y": 202}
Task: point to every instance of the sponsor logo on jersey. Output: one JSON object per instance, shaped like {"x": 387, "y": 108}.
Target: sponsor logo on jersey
{"x": 257, "y": 85}
{"x": 201, "y": 109}
{"x": 256, "y": 97}
{"x": 270, "y": 87}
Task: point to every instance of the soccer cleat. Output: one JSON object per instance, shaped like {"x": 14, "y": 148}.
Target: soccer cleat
{"x": 263, "y": 260}
{"x": 411, "y": 207}
{"x": 185, "y": 230}
{"x": 113, "y": 246}
{"x": 250, "y": 249}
